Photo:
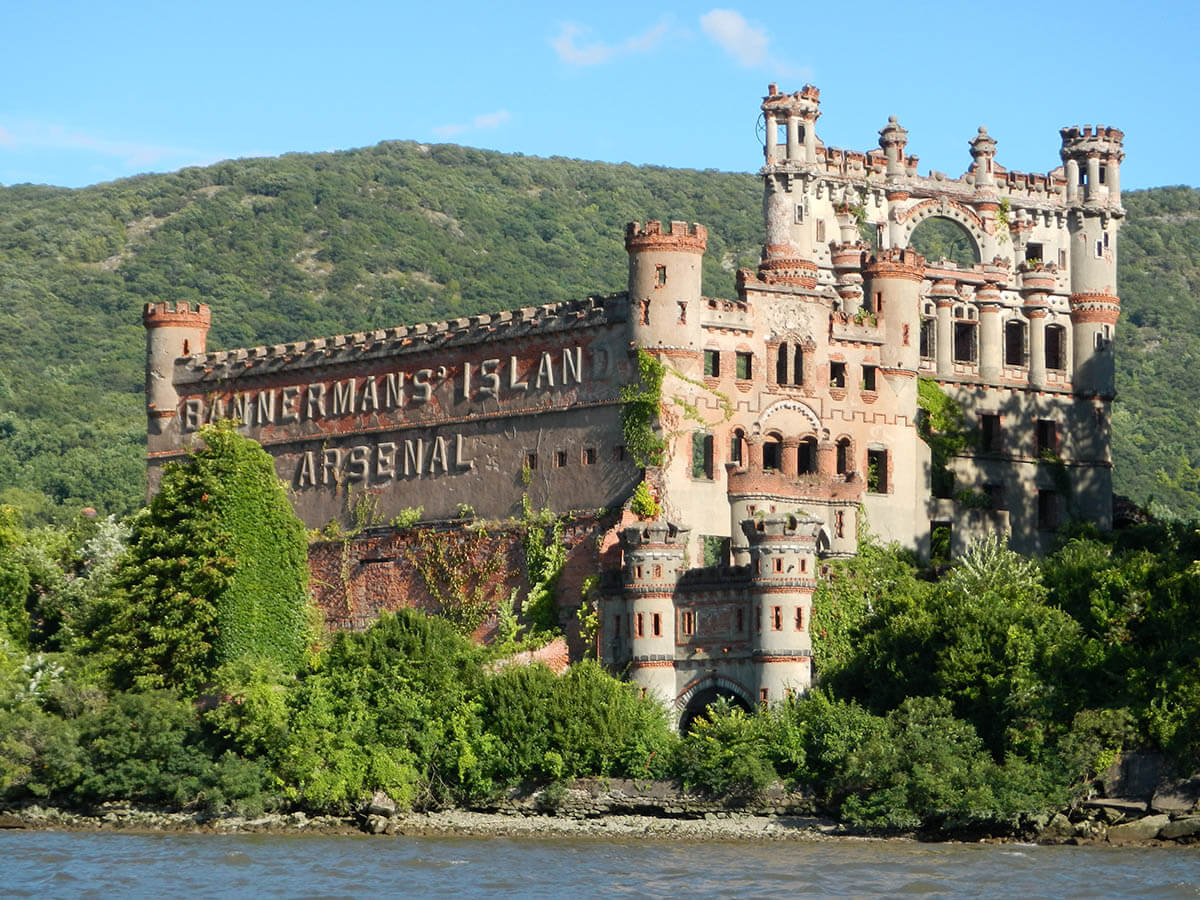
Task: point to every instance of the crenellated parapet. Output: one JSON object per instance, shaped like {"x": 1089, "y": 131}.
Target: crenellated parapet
{"x": 677, "y": 237}
{"x": 177, "y": 315}
{"x": 895, "y": 263}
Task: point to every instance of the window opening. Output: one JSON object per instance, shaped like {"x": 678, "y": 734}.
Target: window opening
{"x": 868, "y": 378}
{"x": 965, "y": 342}
{"x": 702, "y": 455}
{"x": 744, "y": 365}
{"x": 560, "y": 458}
{"x": 531, "y": 461}
{"x": 660, "y": 275}
{"x": 843, "y": 456}
{"x": 687, "y": 623}
{"x": 589, "y": 456}
{"x": 1047, "y": 510}
{"x": 735, "y": 446}
{"x": 990, "y": 426}
{"x": 837, "y": 374}
{"x": 712, "y": 363}
{"x": 798, "y": 365}
{"x": 656, "y": 624}
{"x": 799, "y": 618}
{"x": 806, "y": 456}
{"x": 776, "y": 618}
{"x": 877, "y": 471}
{"x": 781, "y": 363}
{"x": 1056, "y": 347}
{"x": 641, "y": 625}
{"x": 1046, "y": 437}
{"x": 928, "y": 337}
{"x": 1033, "y": 253}
{"x": 772, "y": 453}
{"x": 1014, "y": 343}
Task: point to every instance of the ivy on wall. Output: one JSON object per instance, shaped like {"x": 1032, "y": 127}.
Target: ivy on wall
{"x": 640, "y": 404}
{"x": 942, "y": 426}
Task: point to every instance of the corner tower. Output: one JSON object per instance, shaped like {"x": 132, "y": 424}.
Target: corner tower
{"x": 170, "y": 334}
{"x": 654, "y": 560}
{"x": 1092, "y": 162}
{"x": 790, "y": 158}
{"x": 664, "y": 284}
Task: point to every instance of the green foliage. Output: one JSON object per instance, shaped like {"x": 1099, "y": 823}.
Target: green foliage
{"x": 545, "y": 556}
{"x": 463, "y": 571}
{"x": 408, "y": 517}
{"x": 943, "y": 427}
{"x": 217, "y": 570}
{"x": 642, "y": 504}
{"x": 640, "y": 405}
{"x": 938, "y": 239}
{"x": 725, "y": 753}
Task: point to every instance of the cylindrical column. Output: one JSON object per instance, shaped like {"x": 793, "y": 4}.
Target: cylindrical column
{"x": 810, "y": 139}
{"x": 769, "y": 149}
{"x": 754, "y": 452}
{"x": 945, "y": 340}
{"x": 790, "y": 457}
{"x": 1072, "y": 180}
{"x": 793, "y": 138}
{"x": 990, "y": 342}
{"x": 1093, "y": 185}
{"x": 826, "y": 458}
{"x": 1037, "y": 347}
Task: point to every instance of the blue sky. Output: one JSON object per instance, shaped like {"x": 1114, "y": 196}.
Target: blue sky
{"x": 95, "y": 91}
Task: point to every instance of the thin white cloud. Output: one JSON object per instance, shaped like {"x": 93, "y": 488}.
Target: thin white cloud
{"x": 479, "y": 123}
{"x": 737, "y": 37}
{"x": 566, "y": 45}
{"x": 42, "y": 136}
{"x": 748, "y": 44}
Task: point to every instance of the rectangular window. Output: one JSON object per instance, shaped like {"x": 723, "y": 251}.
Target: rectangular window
{"x": 877, "y": 471}
{"x": 820, "y": 231}
{"x": 837, "y": 374}
{"x": 799, "y": 213}
{"x": 640, "y": 628}
{"x": 965, "y": 345}
{"x": 531, "y": 461}
{"x": 1062, "y": 259}
{"x": 702, "y": 455}
{"x": 1099, "y": 249}
{"x": 712, "y": 363}
{"x": 1056, "y": 347}
{"x": 1046, "y": 438}
{"x": 656, "y": 624}
{"x": 1033, "y": 253}
{"x": 660, "y": 275}
{"x": 560, "y": 458}
{"x": 1014, "y": 343}
{"x": 778, "y": 564}
{"x": 776, "y": 618}
{"x": 928, "y": 337}
{"x": 1047, "y": 510}
{"x": 589, "y": 456}
{"x": 762, "y": 696}
{"x": 744, "y": 365}
{"x": 839, "y": 524}
{"x": 799, "y": 618}
{"x": 739, "y": 619}
{"x": 868, "y": 378}
{"x": 687, "y": 623}
{"x": 989, "y": 425}
{"x": 617, "y": 626}
{"x": 877, "y": 307}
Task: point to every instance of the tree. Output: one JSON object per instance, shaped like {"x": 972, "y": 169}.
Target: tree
{"x": 216, "y": 571}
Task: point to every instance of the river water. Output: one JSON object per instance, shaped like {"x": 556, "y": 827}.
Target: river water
{"x": 47, "y": 864}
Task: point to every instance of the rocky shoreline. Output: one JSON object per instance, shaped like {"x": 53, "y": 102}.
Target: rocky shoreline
{"x": 628, "y": 810}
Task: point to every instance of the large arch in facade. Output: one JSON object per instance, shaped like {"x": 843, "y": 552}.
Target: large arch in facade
{"x": 942, "y": 208}
{"x": 707, "y": 690}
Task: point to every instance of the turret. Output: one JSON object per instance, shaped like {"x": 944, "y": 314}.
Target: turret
{"x": 790, "y": 149}
{"x": 1092, "y": 159}
{"x": 892, "y": 292}
{"x": 983, "y": 152}
{"x": 782, "y": 579}
{"x": 665, "y": 284}
{"x": 170, "y": 334}
{"x": 654, "y": 560}
{"x": 892, "y": 140}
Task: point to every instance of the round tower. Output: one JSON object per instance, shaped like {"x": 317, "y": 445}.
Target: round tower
{"x": 782, "y": 581}
{"x": 892, "y": 292}
{"x": 171, "y": 333}
{"x": 789, "y": 149}
{"x": 664, "y": 284}
{"x": 1092, "y": 160}
{"x": 654, "y": 560}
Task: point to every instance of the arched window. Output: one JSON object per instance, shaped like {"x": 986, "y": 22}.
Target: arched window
{"x": 772, "y": 452}
{"x": 797, "y": 364}
{"x": 781, "y": 365}
{"x": 789, "y": 353}
{"x": 737, "y": 443}
{"x": 806, "y": 458}
{"x": 845, "y": 456}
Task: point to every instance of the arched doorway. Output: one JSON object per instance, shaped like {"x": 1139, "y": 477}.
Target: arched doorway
{"x": 939, "y": 238}
{"x": 707, "y": 695}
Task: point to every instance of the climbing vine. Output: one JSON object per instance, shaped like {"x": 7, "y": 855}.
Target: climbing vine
{"x": 640, "y": 404}
{"x": 943, "y": 427}
{"x": 462, "y": 571}
{"x": 545, "y": 556}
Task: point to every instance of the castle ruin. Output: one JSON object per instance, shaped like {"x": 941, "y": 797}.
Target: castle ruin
{"x": 791, "y": 413}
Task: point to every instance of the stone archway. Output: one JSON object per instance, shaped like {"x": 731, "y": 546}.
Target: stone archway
{"x": 694, "y": 701}
{"x": 963, "y": 216}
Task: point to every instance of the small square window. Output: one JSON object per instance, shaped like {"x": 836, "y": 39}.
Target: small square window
{"x": 744, "y": 365}
{"x": 560, "y": 458}
{"x": 837, "y": 374}
{"x": 589, "y": 456}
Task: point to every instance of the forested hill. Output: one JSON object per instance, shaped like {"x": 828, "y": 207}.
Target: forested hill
{"x": 319, "y": 244}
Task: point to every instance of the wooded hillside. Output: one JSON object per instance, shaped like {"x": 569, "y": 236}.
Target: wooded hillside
{"x": 316, "y": 244}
